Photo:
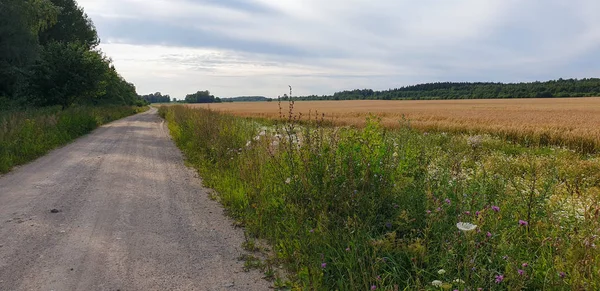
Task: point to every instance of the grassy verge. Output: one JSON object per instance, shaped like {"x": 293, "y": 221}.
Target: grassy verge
{"x": 378, "y": 209}
{"x": 26, "y": 135}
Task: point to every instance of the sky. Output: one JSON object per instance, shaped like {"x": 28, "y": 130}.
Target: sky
{"x": 259, "y": 47}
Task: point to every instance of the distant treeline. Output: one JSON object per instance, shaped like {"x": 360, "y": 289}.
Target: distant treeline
{"x": 156, "y": 98}
{"x": 452, "y": 90}
{"x": 49, "y": 56}
{"x": 246, "y": 99}
{"x": 202, "y": 97}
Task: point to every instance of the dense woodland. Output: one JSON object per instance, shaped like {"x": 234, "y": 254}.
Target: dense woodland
{"x": 49, "y": 56}
{"x": 449, "y": 90}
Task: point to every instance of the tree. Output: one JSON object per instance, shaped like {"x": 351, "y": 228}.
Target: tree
{"x": 67, "y": 73}
{"x": 20, "y": 23}
{"x": 72, "y": 25}
{"x": 200, "y": 97}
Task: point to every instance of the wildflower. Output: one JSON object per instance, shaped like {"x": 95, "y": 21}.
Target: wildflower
{"x": 488, "y": 234}
{"x": 437, "y": 283}
{"x": 459, "y": 281}
{"x": 521, "y": 272}
{"x": 388, "y": 225}
{"x": 465, "y": 226}
{"x": 505, "y": 257}
{"x": 439, "y": 209}
{"x": 373, "y": 287}
{"x": 448, "y": 201}
{"x": 428, "y": 211}
{"x": 441, "y": 271}
{"x": 395, "y": 155}
{"x": 562, "y": 275}
{"x": 525, "y": 265}
{"x": 311, "y": 230}
{"x": 288, "y": 180}
{"x": 348, "y": 249}
{"x": 467, "y": 212}
{"x": 496, "y": 208}
{"x": 499, "y": 278}
{"x": 323, "y": 265}
{"x": 523, "y": 223}
{"x": 476, "y": 213}
{"x": 396, "y": 206}
{"x": 248, "y": 143}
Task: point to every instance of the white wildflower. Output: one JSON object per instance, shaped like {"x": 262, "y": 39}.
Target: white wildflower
{"x": 437, "y": 283}
{"x": 465, "y": 226}
{"x": 459, "y": 281}
{"x": 441, "y": 271}
{"x": 395, "y": 155}
{"x": 288, "y": 180}
{"x": 248, "y": 143}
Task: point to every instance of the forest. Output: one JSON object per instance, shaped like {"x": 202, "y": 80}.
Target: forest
{"x": 49, "y": 56}
{"x": 480, "y": 90}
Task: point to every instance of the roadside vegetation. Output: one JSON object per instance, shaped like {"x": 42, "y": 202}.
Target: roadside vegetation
{"x": 55, "y": 84}
{"x": 28, "y": 134}
{"x": 373, "y": 208}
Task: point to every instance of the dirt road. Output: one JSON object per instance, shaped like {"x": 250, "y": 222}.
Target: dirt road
{"x": 128, "y": 215}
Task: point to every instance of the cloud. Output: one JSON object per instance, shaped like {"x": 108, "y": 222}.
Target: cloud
{"x": 258, "y": 47}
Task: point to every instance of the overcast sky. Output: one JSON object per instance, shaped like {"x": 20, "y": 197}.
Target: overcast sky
{"x": 258, "y": 47}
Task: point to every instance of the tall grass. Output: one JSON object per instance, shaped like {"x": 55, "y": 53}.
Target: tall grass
{"x": 26, "y": 135}
{"x": 377, "y": 209}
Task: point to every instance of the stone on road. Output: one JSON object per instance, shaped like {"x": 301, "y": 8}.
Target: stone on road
{"x": 117, "y": 210}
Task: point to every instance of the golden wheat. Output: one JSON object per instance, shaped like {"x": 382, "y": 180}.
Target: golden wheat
{"x": 572, "y": 122}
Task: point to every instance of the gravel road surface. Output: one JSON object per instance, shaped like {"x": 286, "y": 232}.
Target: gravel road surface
{"x": 117, "y": 210}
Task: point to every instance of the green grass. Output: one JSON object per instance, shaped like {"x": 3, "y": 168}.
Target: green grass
{"x": 358, "y": 209}
{"x": 26, "y": 135}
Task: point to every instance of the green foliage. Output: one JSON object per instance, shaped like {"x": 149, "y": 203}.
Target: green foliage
{"x": 65, "y": 73}
{"x": 26, "y": 135}
{"x": 201, "y": 97}
{"x": 348, "y": 209}
{"x": 157, "y": 98}
{"x": 47, "y": 58}
{"x": 72, "y": 26}
{"x": 448, "y": 90}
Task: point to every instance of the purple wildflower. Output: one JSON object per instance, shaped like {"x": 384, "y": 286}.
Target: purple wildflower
{"x": 439, "y": 209}
{"x": 373, "y": 287}
{"x": 496, "y": 208}
{"x": 489, "y": 234}
{"x": 477, "y": 213}
{"x": 499, "y": 278}
{"x": 525, "y": 265}
{"x": 521, "y": 272}
{"x": 523, "y": 222}
{"x": 348, "y": 249}
{"x": 448, "y": 201}
{"x": 388, "y": 225}
{"x": 562, "y": 275}
{"x": 323, "y": 265}
{"x": 468, "y": 212}
{"x": 428, "y": 211}
{"x": 396, "y": 206}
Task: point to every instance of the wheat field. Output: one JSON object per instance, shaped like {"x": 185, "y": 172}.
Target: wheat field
{"x": 570, "y": 122}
